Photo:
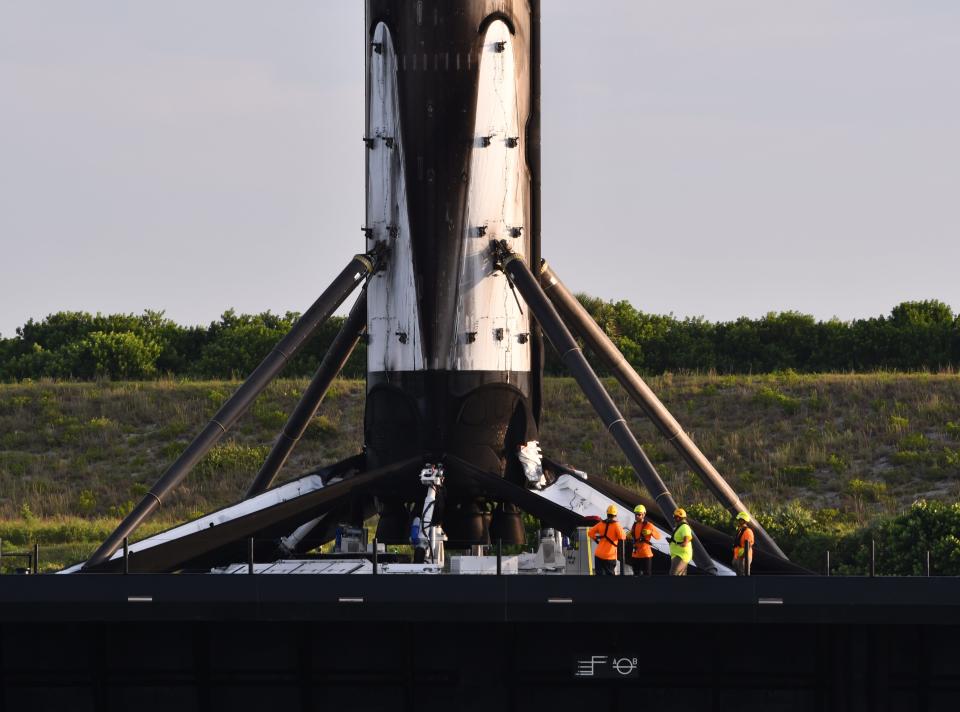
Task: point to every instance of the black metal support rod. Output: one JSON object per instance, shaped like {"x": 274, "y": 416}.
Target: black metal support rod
{"x": 873, "y": 557}
{"x": 126, "y": 555}
{"x": 828, "y": 562}
{"x": 36, "y": 557}
{"x": 499, "y": 557}
{"x": 375, "y": 557}
{"x": 928, "y": 563}
{"x": 573, "y": 358}
{"x": 747, "y": 552}
{"x": 250, "y": 555}
{"x": 354, "y": 273}
{"x": 582, "y": 323}
{"x": 333, "y": 362}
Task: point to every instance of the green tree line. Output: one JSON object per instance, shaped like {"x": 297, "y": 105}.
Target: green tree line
{"x": 79, "y": 345}
{"x": 920, "y": 335}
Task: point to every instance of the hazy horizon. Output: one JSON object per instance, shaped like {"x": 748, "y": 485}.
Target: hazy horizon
{"x": 698, "y": 159}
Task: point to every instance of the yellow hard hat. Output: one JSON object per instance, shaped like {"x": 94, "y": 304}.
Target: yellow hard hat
{"x": 612, "y": 510}
{"x": 640, "y": 509}
{"x": 743, "y": 517}
{"x": 680, "y": 512}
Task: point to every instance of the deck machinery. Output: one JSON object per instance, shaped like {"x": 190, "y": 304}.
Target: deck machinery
{"x": 456, "y": 306}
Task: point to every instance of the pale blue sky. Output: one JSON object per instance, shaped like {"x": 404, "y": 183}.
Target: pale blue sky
{"x": 700, "y": 157}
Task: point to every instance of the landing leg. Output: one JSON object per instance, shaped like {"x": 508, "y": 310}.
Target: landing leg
{"x": 333, "y": 362}
{"x": 593, "y": 389}
{"x": 575, "y": 315}
{"x": 356, "y": 271}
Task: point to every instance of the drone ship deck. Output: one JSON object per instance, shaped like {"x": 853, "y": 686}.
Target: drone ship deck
{"x": 155, "y": 641}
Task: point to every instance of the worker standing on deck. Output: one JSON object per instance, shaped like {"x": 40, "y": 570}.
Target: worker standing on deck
{"x": 743, "y": 545}
{"x": 607, "y": 534}
{"x": 643, "y": 532}
{"x": 418, "y": 542}
{"x": 681, "y": 543}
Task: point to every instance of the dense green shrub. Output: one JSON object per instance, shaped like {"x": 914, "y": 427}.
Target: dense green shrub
{"x": 120, "y": 354}
{"x": 902, "y": 541}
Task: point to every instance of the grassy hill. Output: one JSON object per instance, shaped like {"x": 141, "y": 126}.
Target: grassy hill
{"x": 74, "y": 457}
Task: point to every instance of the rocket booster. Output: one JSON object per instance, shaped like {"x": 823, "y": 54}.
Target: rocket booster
{"x": 454, "y": 354}
{"x": 452, "y": 135}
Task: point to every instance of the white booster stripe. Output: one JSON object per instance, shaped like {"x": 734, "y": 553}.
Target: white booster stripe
{"x": 492, "y": 331}
{"x": 393, "y": 321}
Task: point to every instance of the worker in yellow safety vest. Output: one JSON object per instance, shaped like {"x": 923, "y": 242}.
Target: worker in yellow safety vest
{"x": 607, "y": 534}
{"x": 643, "y": 532}
{"x": 681, "y": 543}
{"x": 743, "y": 545}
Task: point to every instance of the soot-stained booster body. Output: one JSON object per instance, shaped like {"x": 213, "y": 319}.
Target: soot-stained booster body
{"x": 452, "y": 136}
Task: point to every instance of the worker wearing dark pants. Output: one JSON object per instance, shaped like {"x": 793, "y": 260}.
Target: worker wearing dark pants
{"x": 643, "y": 532}
{"x": 604, "y": 567}
{"x": 607, "y": 534}
{"x": 681, "y": 544}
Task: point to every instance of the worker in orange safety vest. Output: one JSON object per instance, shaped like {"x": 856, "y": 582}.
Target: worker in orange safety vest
{"x": 743, "y": 545}
{"x": 607, "y": 534}
{"x": 642, "y": 532}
